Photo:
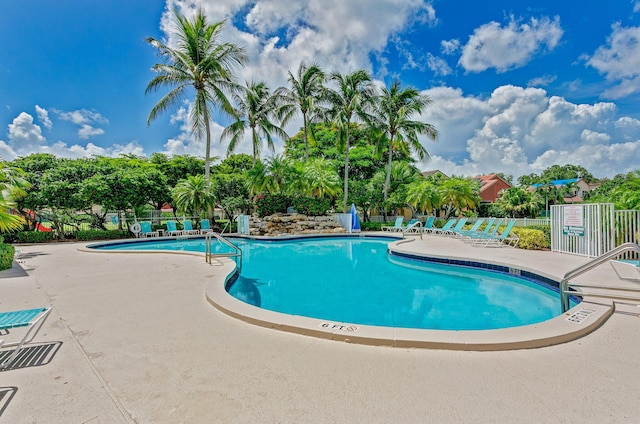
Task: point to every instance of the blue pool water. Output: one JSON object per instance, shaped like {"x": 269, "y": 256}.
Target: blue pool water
{"x": 355, "y": 280}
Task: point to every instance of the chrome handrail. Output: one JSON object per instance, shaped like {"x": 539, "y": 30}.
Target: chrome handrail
{"x": 237, "y": 252}
{"x": 614, "y": 253}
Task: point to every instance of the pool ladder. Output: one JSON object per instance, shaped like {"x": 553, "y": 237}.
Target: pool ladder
{"x": 208, "y": 254}
{"x": 565, "y": 286}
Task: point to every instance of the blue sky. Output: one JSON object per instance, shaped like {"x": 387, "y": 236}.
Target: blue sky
{"x": 515, "y": 87}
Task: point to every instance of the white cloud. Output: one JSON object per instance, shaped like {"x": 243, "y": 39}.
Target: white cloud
{"x": 25, "y": 138}
{"x": 438, "y": 65}
{"x": 43, "y": 117}
{"x": 450, "y": 46}
{"x": 636, "y": 5}
{"x": 619, "y": 61}
{"x": 85, "y": 119}
{"x": 511, "y": 46}
{"x": 519, "y": 130}
{"x": 279, "y": 34}
{"x": 542, "y": 81}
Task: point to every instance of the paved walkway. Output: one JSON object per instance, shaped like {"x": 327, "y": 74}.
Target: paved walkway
{"x": 137, "y": 342}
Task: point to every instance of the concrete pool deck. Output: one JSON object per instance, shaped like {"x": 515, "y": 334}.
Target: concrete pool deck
{"x": 134, "y": 340}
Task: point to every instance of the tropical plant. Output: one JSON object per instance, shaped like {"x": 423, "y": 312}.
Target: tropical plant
{"x": 349, "y": 101}
{"x": 193, "y": 196}
{"x": 199, "y": 60}
{"x": 424, "y": 195}
{"x": 393, "y": 111}
{"x": 458, "y": 194}
{"x": 12, "y": 186}
{"x": 519, "y": 203}
{"x": 255, "y": 109}
{"x": 320, "y": 179}
{"x": 303, "y": 95}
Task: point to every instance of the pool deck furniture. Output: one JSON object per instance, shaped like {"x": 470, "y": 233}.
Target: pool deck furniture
{"x": 31, "y": 318}
{"x": 446, "y": 227}
{"x": 504, "y": 239}
{"x": 413, "y": 227}
{"x": 187, "y": 228}
{"x": 397, "y": 226}
{"x": 146, "y": 231}
{"x": 172, "y": 229}
{"x": 476, "y": 225}
{"x": 205, "y": 226}
{"x": 453, "y": 230}
{"x": 626, "y": 270}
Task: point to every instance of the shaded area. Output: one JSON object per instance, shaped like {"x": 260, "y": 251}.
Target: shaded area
{"x": 31, "y": 356}
{"x": 6, "y": 395}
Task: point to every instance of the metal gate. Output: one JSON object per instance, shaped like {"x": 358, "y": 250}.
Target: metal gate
{"x": 586, "y": 229}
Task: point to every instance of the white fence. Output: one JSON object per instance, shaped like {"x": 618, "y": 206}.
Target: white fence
{"x": 587, "y": 229}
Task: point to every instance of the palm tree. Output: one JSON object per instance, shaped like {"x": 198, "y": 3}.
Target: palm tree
{"x": 320, "y": 179}
{"x": 193, "y": 195}
{"x": 393, "y": 111}
{"x": 459, "y": 194}
{"x": 201, "y": 61}
{"x": 12, "y": 186}
{"x": 303, "y": 94}
{"x": 255, "y": 108}
{"x": 518, "y": 202}
{"x": 349, "y": 102}
{"x": 424, "y": 195}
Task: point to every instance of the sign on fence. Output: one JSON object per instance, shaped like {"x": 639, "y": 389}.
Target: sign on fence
{"x": 573, "y": 221}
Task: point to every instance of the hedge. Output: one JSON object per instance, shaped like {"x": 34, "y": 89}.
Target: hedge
{"x": 85, "y": 235}
{"x": 34, "y": 236}
{"x": 7, "y": 252}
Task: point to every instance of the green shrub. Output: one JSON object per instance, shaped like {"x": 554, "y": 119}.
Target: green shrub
{"x": 371, "y": 226}
{"x": 546, "y": 229}
{"x": 310, "y": 206}
{"x": 34, "y": 236}
{"x": 532, "y": 239}
{"x": 6, "y": 256}
{"x": 102, "y": 235}
{"x": 268, "y": 204}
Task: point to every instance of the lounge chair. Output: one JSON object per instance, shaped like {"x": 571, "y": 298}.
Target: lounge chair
{"x": 447, "y": 226}
{"x": 187, "y": 228}
{"x": 32, "y": 318}
{"x": 146, "y": 231}
{"x": 471, "y": 230}
{"x": 490, "y": 230}
{"x": 395, "y": 227}
{"x": 413, "y": 227}
{"x": 500, "y": 240}
{"x": 453, "y": 230}
{"x": 428, "y": 224}
{"x": 205, "y": 226}
{"x": 626, "y": 270}
{"x": 172, "y": 229}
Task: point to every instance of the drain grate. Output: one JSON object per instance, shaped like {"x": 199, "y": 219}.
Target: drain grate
{"x": 580, "y": 315}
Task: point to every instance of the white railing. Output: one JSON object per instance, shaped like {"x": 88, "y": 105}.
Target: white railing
{"x": 627, "y": 227}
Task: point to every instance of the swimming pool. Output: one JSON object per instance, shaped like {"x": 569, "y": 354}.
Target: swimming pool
{"x": 355, "y": 280}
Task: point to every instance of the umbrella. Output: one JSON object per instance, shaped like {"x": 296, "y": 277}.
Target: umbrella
{"x": 355, "y": 221}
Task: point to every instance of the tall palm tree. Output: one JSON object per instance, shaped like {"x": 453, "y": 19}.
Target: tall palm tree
{"x": 12, "y": 186}
{"x": 199, "y": 60}
{"x": 393, "y": 113}
{"x": 303, "y": 94}
{"x": 255, "y": 109}
{"x": 349, "y": 102}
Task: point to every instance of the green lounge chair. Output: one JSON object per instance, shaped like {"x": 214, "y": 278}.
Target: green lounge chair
{"x": 146, "y": 231}
{"x": 503, "y": 239}
{"x": 447, "y": 226}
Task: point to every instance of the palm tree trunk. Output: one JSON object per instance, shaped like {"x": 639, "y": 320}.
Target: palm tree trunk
{"x": 207, "y": 153}
{"x": 346, "y": 170}
{"x": 306, "y": 137}
{"x": 387, "y": 180}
